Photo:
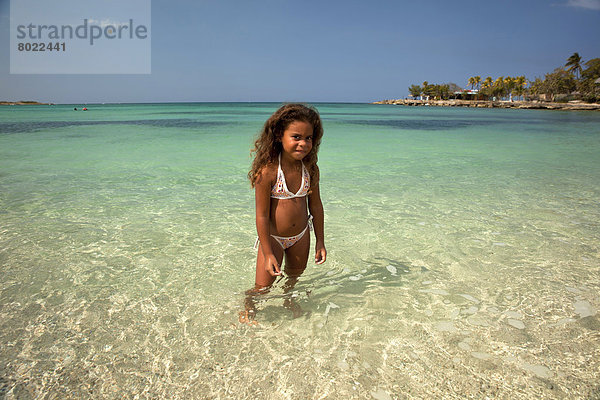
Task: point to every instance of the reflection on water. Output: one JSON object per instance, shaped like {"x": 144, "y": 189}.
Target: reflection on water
{"x": 461, "y": 265}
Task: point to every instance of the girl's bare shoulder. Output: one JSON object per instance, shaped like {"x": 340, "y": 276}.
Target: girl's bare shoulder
{"x": 267, "y": 173}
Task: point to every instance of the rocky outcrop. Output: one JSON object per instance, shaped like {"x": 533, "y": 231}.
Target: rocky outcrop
{"x": 538, "y": 105}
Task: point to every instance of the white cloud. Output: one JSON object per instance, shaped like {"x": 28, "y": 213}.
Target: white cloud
{"x": 588, "y": 4}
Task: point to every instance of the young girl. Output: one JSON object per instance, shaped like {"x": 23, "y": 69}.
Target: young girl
{"x": 285, "y": 178}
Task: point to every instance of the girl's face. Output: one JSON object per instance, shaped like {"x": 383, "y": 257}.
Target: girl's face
{"x": 297, "y": 139}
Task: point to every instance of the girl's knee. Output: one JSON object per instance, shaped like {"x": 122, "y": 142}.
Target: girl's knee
{"x": 294, "y": 272}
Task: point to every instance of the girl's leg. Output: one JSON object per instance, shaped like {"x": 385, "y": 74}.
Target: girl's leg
{"x": 263, "y": 278}
{"x": 262, "y": 282}
{"x": 296, "y": 258}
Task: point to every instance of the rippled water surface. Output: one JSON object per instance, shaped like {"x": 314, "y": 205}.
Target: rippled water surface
{"x": 464, "y": 256}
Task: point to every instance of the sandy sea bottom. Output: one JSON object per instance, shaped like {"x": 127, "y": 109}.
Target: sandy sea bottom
{"x": 463, "y": 256}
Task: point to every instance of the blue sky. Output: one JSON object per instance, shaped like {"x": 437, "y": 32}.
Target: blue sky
{"x": 320, "y": 51}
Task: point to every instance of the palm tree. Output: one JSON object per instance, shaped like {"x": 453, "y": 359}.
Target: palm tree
{"x": 498, "y": 87}
{"x": 486, "y": 86}
{"x": 574, "y": 64}
{"x": 477, "y": 80}
{"x": 472, "y": 82}
{"x": 509, "y": 85}
{"x": 520, "y": 83}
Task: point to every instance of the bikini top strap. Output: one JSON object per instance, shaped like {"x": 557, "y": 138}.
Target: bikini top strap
{"x": 279, "y": 170}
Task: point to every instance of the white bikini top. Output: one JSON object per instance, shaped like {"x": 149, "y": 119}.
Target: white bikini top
{"x": 280, "y": 190}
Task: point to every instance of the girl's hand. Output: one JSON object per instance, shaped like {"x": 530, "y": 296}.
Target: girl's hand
{"x": 273, "y": 266}
{"x": 320, "y": 254}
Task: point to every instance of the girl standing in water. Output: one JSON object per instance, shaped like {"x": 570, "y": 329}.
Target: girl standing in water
{"x": 285, "y": 178}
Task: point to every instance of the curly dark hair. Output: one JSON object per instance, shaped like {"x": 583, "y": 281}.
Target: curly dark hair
{"x": 268, "y": 144}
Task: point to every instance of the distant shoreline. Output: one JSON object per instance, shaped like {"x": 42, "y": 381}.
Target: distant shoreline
{"x": 535, "y": 105}
{"x": 24, "y": 103}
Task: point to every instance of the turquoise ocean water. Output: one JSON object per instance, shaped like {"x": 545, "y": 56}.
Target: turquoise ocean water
{"x": 463, "y": 256}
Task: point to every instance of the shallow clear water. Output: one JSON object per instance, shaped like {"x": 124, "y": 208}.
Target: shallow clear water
{"x": 463, "y": 256}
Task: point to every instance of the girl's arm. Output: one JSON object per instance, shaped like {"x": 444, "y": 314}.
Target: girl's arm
{"x": 262, "y": 195}
{"x": 316, "y": 209}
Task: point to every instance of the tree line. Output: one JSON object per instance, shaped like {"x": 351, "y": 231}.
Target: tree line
{"x": 576, "y": 80}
